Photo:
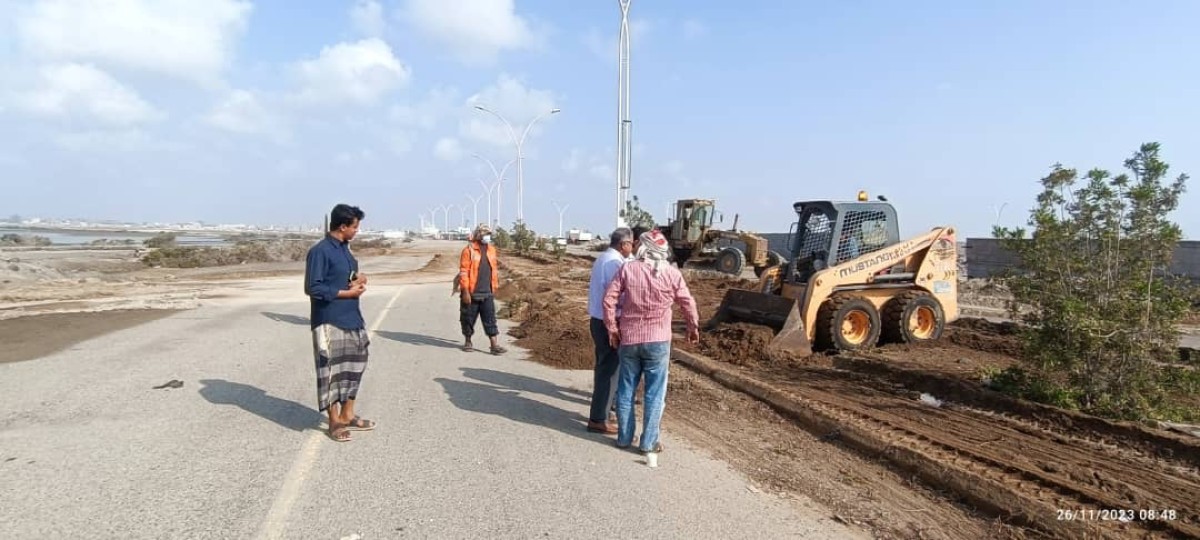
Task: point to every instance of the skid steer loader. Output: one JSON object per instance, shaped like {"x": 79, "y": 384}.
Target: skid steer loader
{"x": 851, "y": 280}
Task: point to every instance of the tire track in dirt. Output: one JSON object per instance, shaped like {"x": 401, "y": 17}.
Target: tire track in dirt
{"x": 1009, "y": 461}
{"x": 1018, "y": 465}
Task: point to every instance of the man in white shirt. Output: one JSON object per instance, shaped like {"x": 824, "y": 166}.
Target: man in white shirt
{"x": 604, "y": 379}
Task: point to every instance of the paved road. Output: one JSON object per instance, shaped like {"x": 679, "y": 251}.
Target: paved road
{"x": 469, "y": 445}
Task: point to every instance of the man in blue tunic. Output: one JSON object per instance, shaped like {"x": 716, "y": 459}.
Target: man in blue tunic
{"x": 333, "y": 284}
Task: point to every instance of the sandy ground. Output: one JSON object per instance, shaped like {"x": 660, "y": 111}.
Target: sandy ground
{"x": 1036, "y": 460}
{"x": 217, "y": 435}
{"x": 862, "y": 441}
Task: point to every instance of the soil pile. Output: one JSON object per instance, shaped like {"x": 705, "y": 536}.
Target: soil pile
{"x": 1016, "y": 460}
{"x": 550, "y": 303}
{"x": 738, "y": 344}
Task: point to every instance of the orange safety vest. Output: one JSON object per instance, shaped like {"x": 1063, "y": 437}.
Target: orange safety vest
{"x": 468, "y": 267}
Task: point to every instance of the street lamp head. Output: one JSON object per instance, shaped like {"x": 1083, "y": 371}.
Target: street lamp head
{"x": 481, "y": 107}
{"x": 555, "y": 111}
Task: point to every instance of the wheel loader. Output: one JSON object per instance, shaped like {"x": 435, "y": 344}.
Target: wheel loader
{"x": 852, "y": 281}
{"x": 694, "y": 240}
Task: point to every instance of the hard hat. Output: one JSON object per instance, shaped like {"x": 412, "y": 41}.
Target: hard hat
{"x": 862, "y": 195}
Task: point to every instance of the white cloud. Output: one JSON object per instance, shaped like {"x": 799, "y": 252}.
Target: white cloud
{"x": 515, "y": 102}
{"x": 603, "y": 172}
{"x": 79, "y": 92}
{"x": 439, "y": 105}
{"x": 693, "y": 28}
{"x": 448, "y": 149}
{"x": 604, "y": 45}
{"x": 596, "y": 165}
{"x": 400, "y": 143}
{"x": 106, "y": 141}
{"x": 365, "y": 154}
{"x": 367, "y": 16}
{"x": 476, "y": 30}
{"x": 185, "y": 39}
{"x": 243, "y": 112}
{"x": 361, "y": 72}
{"x": 572, "y": 162}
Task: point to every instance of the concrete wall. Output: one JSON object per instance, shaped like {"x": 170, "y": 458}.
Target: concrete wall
{"x": 986, "y": 258}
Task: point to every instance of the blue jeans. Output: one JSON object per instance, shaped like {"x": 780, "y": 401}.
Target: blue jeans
{"x": 652, "y": 360}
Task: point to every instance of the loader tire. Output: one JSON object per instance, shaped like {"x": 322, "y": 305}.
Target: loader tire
{"x": 731, "y": 261}
{"x": 773, "y": 259}
{"x": 847, "y": 323}
{"x": 913, "y": 317}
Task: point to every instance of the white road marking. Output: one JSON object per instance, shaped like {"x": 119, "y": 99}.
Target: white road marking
{"x": 276, "y": 519}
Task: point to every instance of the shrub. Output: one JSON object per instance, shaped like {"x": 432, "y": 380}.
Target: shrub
{"x": 161, "y": 240}
{"x": 501, "y": 238}
{"x": 24, "y": 240}
{"x": 1103, "y": 312}
{"x": 523, "y": 239}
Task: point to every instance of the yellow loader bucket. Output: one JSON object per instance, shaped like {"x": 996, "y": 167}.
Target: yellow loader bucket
{"x": 779, "y": 312}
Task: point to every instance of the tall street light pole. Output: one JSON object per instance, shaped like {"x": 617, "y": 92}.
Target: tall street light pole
{"x": 624, "y": 124}
{"x": 499, "y": 179}
{"x": 520, "y": 157}
{"x": 561, "y": 211}
{"x": 475, "y": 203}
{"x": 433, "y": 220}
{"x": 489, "y": 188}
{"x": 462, "y": 215}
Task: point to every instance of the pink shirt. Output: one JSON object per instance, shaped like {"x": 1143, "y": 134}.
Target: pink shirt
{"x": 646, "y": 302}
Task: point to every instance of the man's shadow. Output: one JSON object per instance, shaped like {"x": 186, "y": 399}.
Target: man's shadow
{"x": 418, "y": 339}
{"x": 286, "y": 413}
{"x": 284, "y": 317}
{"x": 522, "y": 383}
{"x": 507, "y": 403}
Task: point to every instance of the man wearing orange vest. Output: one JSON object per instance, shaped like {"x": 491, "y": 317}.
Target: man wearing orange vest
{"x": 477, "y": 284}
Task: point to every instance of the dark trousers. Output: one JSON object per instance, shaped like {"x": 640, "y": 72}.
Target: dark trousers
{"x": 604, "y": 379}
{"x": 469, "y": 313}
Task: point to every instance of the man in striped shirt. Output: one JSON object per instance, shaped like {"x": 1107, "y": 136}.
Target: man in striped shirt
{"x": 621, "y": 246}
{"x": 645, "y": 290}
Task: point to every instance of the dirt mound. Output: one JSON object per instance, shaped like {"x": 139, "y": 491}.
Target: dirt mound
{"x": 1010, "y": 461}
{"x": 738, "y": 344}
{"x": 557, "y": 341}
{"x": 14, "y": 269}
{"x": 551, "y": 307}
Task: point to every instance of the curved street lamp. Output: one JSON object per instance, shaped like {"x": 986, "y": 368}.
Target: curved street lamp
{"x": 499, "y": 175}
{"x": 520, "y": 157}
{"x": 561, "y": 211}
{"x": 488, "y": 188}
{"x": 475, "y": 203}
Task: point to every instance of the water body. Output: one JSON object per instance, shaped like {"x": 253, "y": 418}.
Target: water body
{"x": 65, "y": 237}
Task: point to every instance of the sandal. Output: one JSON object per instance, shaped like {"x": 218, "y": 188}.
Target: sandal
{"x": 339, "y": 434}
{"x": 468, "y": 348}
{"x": 498, "y": 350}
{"x": 360, "y": 424}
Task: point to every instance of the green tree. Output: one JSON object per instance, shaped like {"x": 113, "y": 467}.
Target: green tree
{"x": 501, "y": 238}
{"x": 636, "y": 216}
{"x": 1101, "y": 310}
{"x": 523, "y": 238}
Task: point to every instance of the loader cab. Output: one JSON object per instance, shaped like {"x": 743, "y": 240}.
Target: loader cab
{"x": 692, "y": 218}
{"x": 828, "y": 233}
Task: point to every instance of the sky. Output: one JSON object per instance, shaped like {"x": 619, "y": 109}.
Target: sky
{"x": 270, "y": 112}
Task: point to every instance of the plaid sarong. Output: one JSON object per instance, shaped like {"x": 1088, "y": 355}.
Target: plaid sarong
{"x": 341, "y": 358}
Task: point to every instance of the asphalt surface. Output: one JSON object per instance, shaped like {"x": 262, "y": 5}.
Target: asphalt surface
{"x": 469, "y": 445}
